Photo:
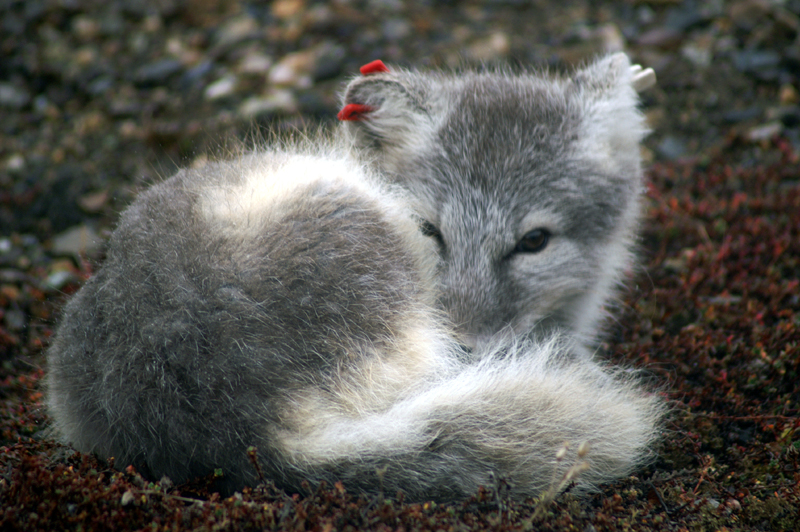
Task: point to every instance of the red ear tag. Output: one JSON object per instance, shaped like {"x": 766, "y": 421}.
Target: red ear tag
{"x": 373, "y": 67}
{"x": 353, "y": 111}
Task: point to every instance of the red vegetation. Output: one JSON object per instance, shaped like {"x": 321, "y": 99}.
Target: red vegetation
{"x": 714, "y": 317}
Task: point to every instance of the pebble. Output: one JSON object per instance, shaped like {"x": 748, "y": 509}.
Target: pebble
{"x": 788, "y": 94}
{"x": 192, "y": 76}
{"x": 660, "y": 37}
{"x": 699, "y": 52}
{"x": 299, "y": 69}
{"x": 77, "y": 240}
{"x": 59, "y": 279}
{"x": 93, "y": 203}
{"x": 221, "y": 88}
{"x": 14, "y": 319}
{"x": 671, "y": 148}
{"x": 493, "y": 47}
{"x": 387, "y": 6}
{"x": 319, "y": 17}
{"x": 759, "y": 62}
{"x": 281, "y": 101}
{"x": 742, "y": 115}
{"x": 764, "y": 131}
{"x": 329, "y": 62}
{"x": 157, "y": 72}
{"x": 101, "y": 85}
{"x": 284, "y": 9}
{"x": 85, "y": 27}
{"x": 236, "y": 30}
{"x": 15, "y": 163}
{"x": 747, "y": 14}
{"x": 293, "y": 70}
{"x": 13, "y": 96}
{"x": 255, "y": 62}
{"x": 395, "y": 29}
{"x": 686, "y": 16}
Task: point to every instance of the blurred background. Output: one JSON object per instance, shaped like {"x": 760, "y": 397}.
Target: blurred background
{"x": 99, "y": 98}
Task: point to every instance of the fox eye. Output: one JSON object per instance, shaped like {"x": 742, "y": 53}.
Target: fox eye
{"x": 533, "y": 242}
{"x": 428, "y": 229}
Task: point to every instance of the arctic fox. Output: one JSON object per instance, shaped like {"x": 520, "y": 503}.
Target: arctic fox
{"x": 359, "y": 309}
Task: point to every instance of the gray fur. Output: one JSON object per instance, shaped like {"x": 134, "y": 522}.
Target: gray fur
{"x": 287, "y": 300}
{"x": 492, "y": 156}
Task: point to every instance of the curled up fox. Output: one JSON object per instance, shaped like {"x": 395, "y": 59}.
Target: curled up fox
{"x": 411, "y": 303}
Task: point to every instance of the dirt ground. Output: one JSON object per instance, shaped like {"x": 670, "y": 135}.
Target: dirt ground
{"x": 98, "y": 99}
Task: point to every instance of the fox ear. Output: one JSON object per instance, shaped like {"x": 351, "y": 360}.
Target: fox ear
{"x": 380, "y": 110}
{"x": 612, "y": 125}
{"x": 614, "y": 71}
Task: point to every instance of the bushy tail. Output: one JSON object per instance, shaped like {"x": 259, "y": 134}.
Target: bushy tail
{"x": 520, "y": 415}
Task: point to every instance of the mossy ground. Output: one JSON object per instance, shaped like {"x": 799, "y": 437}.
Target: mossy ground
{"x": 714, "y": 318}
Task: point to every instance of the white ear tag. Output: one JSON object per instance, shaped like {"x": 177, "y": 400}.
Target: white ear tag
{"x": 642, "y": 79}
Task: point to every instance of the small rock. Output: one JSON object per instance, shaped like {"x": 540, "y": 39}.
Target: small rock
{"x": 152, "y": 23}
{"x": 76, "y": 241}
{"x": 494, "y": 47}
{"x": 319, "y": 17}
{"x": 386, "y": 6}
{"x": 93, "y": 203}
{"x": 13, "y": 96}
{"x": 713, "y": 503}
{"x": 292, "y": 70}
{"x": 197, "y": 73}
{"x": 747, "y": 14}
{"x": 59, "y": 279}
{"x": 85, "y": 27}
{"x": 645, "y": 15}
{"x": 15, "y": 163}
{"x": 157, "y": 72}
{"x": 330, "y": 61}
{"x": 700, "y": 51}
{"x": 127, "y": 498}
{"x": 788, "y": 94}
{"x": 395, "y": 29}
{"x": 660, "y": 38}
{"x": 733, "y": 505}
{"x": 675, "y": 264}
{"x": 101, "y": 85}
{"x": 742, "y": 115}
{"x": 283, "y": 9}
{"x": 277, "y": 101}
{"x": 15, "y": 319}
{"x": 685, "y": 17}
{"x": 763, "y": 63}
{"x": 764, "y": 131}
{"x": 788, "y": 115}
{"x": 671, "y": 148}
{"x": 236, "y": 30}
{"x": 255, "y": 63}
{"x": 221, "y": 88}
{"x": 297, "y": 69}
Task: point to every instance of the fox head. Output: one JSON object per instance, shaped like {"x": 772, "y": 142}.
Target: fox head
{"x": 529, "y": 183}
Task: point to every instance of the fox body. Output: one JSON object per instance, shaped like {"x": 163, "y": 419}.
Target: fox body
{"x": 410, "y": 308}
